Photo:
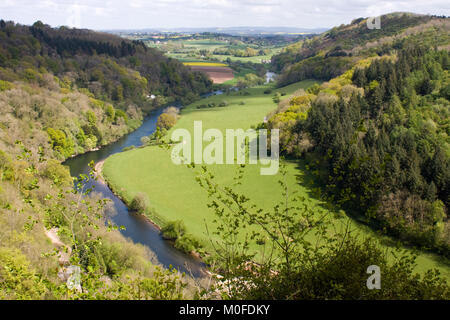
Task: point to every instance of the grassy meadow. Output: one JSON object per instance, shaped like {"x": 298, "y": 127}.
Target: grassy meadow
{"x": 174, "y": 193}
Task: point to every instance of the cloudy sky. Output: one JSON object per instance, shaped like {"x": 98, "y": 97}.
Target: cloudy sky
{"x": 137, "y": 14}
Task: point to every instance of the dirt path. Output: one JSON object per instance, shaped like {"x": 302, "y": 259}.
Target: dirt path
{"x": 64, "y": 252}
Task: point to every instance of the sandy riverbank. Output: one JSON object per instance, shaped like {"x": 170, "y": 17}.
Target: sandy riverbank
{"x": 98, "y": 171}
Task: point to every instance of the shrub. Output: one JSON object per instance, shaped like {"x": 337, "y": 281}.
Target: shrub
{"x": 172, "y": 110}
{"x": 5, "y": 85}
{"x": 58, "y": 173}
{"x": 128, "y": 148}
{"x": 166, "y": 121}
{"x": 139, "y": 203}
{"x": 173, "y": 230}
{"x": 121, "y": 114}
{"x": 145, "y": 141}
{"x": 276, "y": 98}
{"x": 187, "y": 243}
{"x": 60, "y": 142}
{"x": 110, "y": 113}
{"x": 19, "y": 281}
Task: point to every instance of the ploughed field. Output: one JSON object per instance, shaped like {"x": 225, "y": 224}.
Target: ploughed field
{"x": 174, "y": 193}
{"x": 218, "y": 72}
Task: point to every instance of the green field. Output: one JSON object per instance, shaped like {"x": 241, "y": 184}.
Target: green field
{"x": 187, "y": 50}
{"x": 175, "y": 195}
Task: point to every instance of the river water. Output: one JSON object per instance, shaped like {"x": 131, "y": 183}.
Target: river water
{"x": 137, "y": 228}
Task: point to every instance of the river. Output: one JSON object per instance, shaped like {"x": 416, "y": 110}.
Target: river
{"x": 137, "y": 228}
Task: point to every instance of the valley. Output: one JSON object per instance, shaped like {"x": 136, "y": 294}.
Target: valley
{"x": 354, "y": 120}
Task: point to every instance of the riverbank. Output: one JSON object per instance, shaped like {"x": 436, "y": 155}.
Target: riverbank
{"x": 98, "y": 174}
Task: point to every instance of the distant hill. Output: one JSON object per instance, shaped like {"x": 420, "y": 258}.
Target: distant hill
{"x": 336, "y": 50}
{"x": 235, "y": 31}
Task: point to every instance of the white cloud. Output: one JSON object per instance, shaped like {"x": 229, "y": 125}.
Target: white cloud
{"x": 134, "y": 14}
{"x": 6, "y": 3}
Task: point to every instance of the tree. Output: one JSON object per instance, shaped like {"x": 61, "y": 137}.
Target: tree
{"x": 166, "y": 121}
{"x": 140, "y": 203}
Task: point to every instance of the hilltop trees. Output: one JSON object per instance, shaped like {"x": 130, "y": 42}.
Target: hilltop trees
{"x": 82, "y": 88}
{"x": 108, "y": 66}
{"x": 328, "y": 55}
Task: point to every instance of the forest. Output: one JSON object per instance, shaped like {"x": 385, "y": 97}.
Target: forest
{"x": 82, "y": 90}
{"x": 333, "y": 52}
{"x": 377, "y": 139}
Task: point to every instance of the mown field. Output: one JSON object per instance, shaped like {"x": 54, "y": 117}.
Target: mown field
{"x": 175, "y": 195}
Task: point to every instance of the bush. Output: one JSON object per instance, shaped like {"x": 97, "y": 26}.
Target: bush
{"x": 59, "y": 174}
{"x": 5, "y": 85}
{"x": 173, "y": 230}
{"x": 145, "y": 141}
{"x": 172, "y": 110}
{"x": 128, "y": 148}
{"x": 187, "y": 243}
{"x": 166, "y": 121}
{"x": 139, "y": 203}
{"x": 277, "y": 98}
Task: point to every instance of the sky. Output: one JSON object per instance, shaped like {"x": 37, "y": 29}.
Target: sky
{"x": 160, "y": 14}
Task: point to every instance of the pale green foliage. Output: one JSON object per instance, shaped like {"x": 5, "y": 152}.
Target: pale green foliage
{"x": 38, "y": 196}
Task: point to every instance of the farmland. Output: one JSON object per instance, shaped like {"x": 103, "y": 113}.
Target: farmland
{"x": 218, "y": 72}
{"x": 223, "y": 57}
{"x": 218, "y": 48}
